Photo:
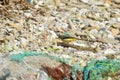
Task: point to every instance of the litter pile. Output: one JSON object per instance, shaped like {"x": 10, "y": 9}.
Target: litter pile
{"x": 94, "y": 70}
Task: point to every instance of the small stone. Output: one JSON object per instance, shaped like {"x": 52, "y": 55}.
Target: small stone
{"x": 66, "y": 56}
{"x": 74, "y": 9}
{"x": 107, "y": 37}
{"x": 37, "y": 6}
{"x": 92, "y": 36}
{"x": 110, "y": 56}
{"x": 40, "y": 2}
{"x": 42, "y": 75}
{"x": 116, "y": 25}
{"x": 28, "y": 14}
{"x": 109, "y": 78}
{"x": 118, "y": 19}
{"x": 82, "y": 63}
{"x": 24, "y": 42}
{"x": 109, "y": 51}
{"x": 59, "y": 29}
{"x": 53, "y": 34}
{"x": 117, "y": 38}
{"x": 107, "y": 3}
{"x": 117, "y": 1}
{"x": 64, "y": 25}
{"x": 94, "y": 33}
{"x": 85, "y": 1}
{"x": 102, "y": 30}
{"x": 98, "y": 49}
{"x": 114, "y": 31}
{"x": 54, "y": 2}
{"x": 11, "y": 78}
{"x": 109, "y": 40}
{"x": 4, "y": 73}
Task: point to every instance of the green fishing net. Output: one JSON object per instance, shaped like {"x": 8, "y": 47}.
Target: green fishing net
{"x": 94, "y": 70}
{"x": 98, "y": 70}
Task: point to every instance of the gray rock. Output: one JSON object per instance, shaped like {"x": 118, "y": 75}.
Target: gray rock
{"x": 42, "y": 75}
{"x": 5, "y": 73}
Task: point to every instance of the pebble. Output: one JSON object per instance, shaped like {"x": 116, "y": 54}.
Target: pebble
{"x": 24, "y": 42}
{"x": 4, "y": 73}
{"x": 109, "y": 78}
{"x": 116, "y": 25}
{"x": 117, "y": 1}
{"x": 109, "y": 51}
{"x": 117, "y": 38}
{"x": 37, "y": 6}
{"x": 82, "y": 63}
{"x": 66, "y": 56}
{"x": 40, "y": 2}
{"x": 28, "y": 14}
{"x": 11, "y": 78}
{"x": 118, "y": 19}
{"x": 85, "y": 1}
{"x": 42, "y": 75}
{"x": 114, "y": 31}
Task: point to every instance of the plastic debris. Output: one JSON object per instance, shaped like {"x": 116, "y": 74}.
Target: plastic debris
{"x": 100, "y": 69}
{"x": 92, "y": 71}
{"x": 30, "y": 1}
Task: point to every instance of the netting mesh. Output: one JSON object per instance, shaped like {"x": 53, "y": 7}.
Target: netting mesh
{"x": 94, "y": 70}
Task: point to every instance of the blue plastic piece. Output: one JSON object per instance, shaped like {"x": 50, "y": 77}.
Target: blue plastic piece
{"x": 29, "y": 1}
